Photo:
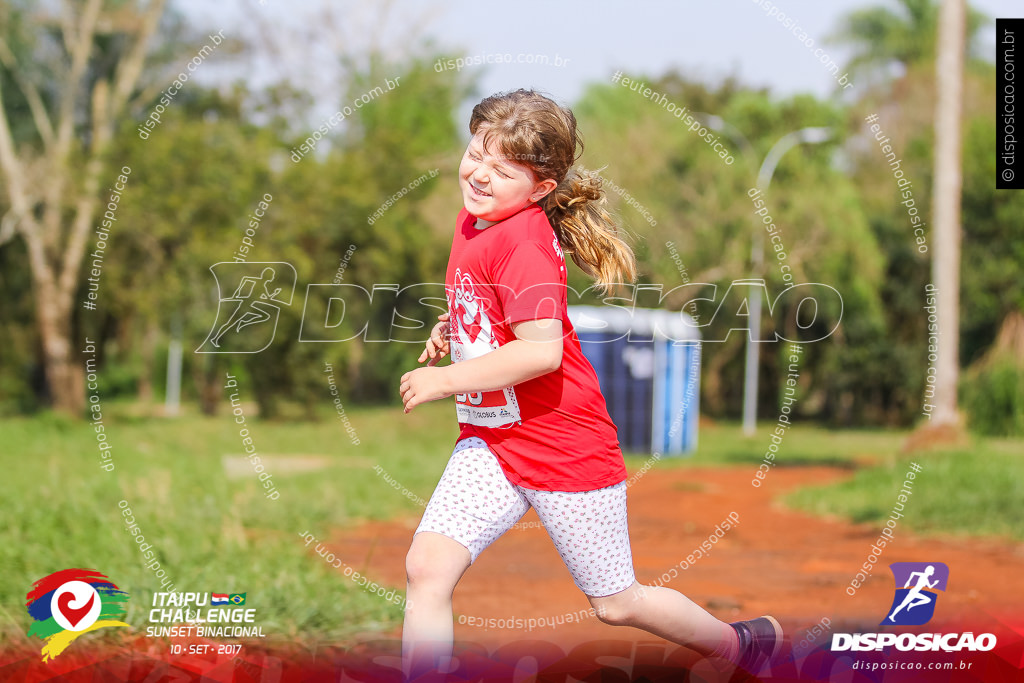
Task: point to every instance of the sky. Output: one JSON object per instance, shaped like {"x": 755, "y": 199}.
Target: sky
{"x": 583, "y": 41}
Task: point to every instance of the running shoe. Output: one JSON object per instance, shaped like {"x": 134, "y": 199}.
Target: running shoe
{"x": 760, "y": 642}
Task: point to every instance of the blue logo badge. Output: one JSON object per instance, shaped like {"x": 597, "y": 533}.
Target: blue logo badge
{"x": 916, "y": 586}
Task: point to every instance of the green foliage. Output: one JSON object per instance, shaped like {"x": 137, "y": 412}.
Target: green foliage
{"x": 993, "y": 243}
{"x": 387, "y": 145}
{"x": 20, "y": 374}
{"x": 197, "y": 178}
{"x": 893, "y": 360}
{"x": 887, "y": 36}
{"x": 24, "y": 43}
{"x": 194, "y": 184}
{"x": 993, "y": 397}
{"x": 965, "y": 492}
{"x": 703, "y": 212}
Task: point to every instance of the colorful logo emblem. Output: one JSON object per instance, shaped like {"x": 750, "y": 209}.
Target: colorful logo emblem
{"x": 68, "y": 603}
{"x": 914, "y": 603}
{"x": 237, "y": 598}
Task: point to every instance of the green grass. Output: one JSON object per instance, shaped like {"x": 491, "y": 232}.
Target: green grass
{"x": 978, "y": 490}
{"x": 960, "y": 492}
{"x": 218, "y": 534}
{"x": 724, "y": 444}
{"x": 211, "y": 533}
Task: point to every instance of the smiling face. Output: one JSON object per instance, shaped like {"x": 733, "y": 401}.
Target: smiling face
{"x": 495, "y": 187}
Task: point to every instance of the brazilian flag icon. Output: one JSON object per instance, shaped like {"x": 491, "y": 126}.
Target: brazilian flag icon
{"x": 237, "y": 598}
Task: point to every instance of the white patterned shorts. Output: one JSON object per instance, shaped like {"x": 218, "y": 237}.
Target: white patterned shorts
{"x": 475, "y": 503}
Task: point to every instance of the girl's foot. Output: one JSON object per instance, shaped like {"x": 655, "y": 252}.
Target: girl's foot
{"x": 760, "y": 642}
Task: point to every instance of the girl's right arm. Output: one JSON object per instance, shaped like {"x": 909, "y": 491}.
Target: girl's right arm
{"x": 536, "y": 351}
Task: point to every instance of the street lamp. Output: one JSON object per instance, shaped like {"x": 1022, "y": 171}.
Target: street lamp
{"x": 764, "y": 178}
{"x": 811, "y": 135}
{"x": 716, "y": 122}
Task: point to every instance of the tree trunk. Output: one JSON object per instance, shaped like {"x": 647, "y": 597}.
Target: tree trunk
{"x": 946, "y": 208}
{"x": 54, "y": 217}
{"x": 64, "y": 366}
{"x": 206, "y": 373}
{"x": 148, "y": 360}
{"x": 1010, "y": 340}
{"x": 945, "y": 424}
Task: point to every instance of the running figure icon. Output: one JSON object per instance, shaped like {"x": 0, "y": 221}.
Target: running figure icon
{"x": 250, "y": 311}
{"x": 915, "y": 597}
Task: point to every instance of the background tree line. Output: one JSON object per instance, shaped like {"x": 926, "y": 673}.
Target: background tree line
{"x": 74, "y": 87}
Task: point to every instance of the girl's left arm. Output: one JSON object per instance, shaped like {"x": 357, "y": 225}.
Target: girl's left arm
{"x": 536, "y": 351}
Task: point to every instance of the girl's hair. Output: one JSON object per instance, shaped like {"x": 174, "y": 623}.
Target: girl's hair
{"x": 532, "y": 130}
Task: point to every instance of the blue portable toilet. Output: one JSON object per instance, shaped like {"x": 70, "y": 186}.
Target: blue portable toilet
{"x": 648, "y": 364}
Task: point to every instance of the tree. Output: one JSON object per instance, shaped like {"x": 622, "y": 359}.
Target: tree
{"x": 655, "y": 166}
{"x": 195, "y": 184}
{"x": 889, "y": 40}
{"x": 992, "y": 257}
{"x": 53, "y": 185}
{"x": 949, "y": 67}
{"x": 921, "y": 113}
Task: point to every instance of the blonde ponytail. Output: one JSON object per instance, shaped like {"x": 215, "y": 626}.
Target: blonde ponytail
{"x": 587, "y": 232}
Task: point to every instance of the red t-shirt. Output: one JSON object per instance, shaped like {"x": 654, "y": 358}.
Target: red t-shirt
{"x": 552, "y": 432}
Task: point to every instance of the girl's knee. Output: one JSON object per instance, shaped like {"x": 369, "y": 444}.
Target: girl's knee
{"x": 616, "y": 610}
{"x": 420, "y": 565}
{"x": 614, "y": 614}
{"x": 435, "y": 564}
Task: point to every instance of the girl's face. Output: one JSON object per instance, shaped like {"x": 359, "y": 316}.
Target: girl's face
{"x": 495, "y": 187}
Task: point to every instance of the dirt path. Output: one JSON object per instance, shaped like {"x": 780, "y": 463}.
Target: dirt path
{"x": 776, "y": 561}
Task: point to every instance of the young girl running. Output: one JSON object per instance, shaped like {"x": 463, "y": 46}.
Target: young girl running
{"x": 535, "y": 430}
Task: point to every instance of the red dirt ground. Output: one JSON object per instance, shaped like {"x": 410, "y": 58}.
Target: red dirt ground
{"x": 776, "y": 561}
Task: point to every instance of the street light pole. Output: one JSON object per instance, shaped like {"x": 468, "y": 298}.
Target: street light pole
{"x": 753, "y": 361}
{"x": 812, "y": 135}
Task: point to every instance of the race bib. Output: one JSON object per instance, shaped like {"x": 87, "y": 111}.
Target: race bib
{"x": 472, "y": 335}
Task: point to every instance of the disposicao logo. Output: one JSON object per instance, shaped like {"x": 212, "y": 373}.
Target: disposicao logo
{"x": 913, "y": 605}
{"x": 69, "y": 603}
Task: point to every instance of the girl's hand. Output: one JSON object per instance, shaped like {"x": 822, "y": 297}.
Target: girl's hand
{"x": 437, "y": 346}
{"x": 422, "y": 385}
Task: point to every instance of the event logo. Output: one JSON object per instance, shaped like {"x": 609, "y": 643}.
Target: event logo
{"x": 258, "y": 290}
{"x": 69, "y": 603}
{"x": 914, "y": 603}
{"x": 203, "y": 615}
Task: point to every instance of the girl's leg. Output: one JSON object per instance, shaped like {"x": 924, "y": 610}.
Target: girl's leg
{"x": 590, "y": 531}
{"x": 434, "y": 565}
{"x": 472, "y": 505}
{"x": 670, "y": 615}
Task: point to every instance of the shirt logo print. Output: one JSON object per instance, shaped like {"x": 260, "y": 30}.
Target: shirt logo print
{"x": 468, "y": 309}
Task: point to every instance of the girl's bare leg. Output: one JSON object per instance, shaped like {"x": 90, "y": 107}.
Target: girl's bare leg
{"x": 434, "y": 565}
{"x": 670, "y": 615}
